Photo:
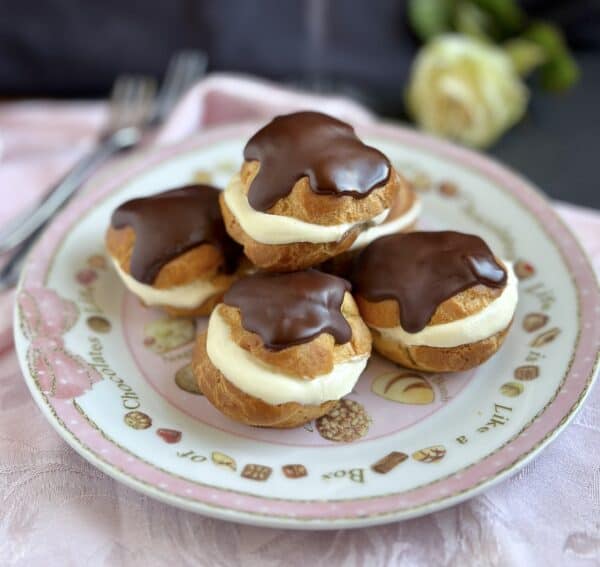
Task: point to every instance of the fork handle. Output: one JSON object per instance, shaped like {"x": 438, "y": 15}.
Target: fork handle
{"x": 9, "y": 274}
{"x": 22, "y": 234}
{"x": 29, "y": 223}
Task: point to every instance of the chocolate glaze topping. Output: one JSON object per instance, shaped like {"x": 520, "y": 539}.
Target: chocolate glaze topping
{"x": 290, "y": 309}
{"x": 420, "y": 270}
{"x": 317, "y": 146}
{"x": 168, "y": 224}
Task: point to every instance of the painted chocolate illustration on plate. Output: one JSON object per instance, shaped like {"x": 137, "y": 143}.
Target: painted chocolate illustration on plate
{"x": 294, "y": 471}
{"x": 527, "y": 372}
{"x": 137, "y": 419}
{"x": 97, "y": 262}
{"x": 389, "y": 462}
{"x": 512, "y": 389}
{"x": 257, "y": 472}
{"x": 347, "y": 421}
{"x": 185, "y": 379}
{"x": 167, "y": 334}
{"x": 405, "y": 387}
{"x": 86, "y": 276}
{"x": 170, "y": 436}
{"x": 524, "y": 269}
{"x": 223, "y": 460}
{"x": 535, "y": 321}
{"x": 98, "y": 324}
{"x": 545, "y": 337}
{"x": 431, "y": 454}
{"x": 448, "y": 189}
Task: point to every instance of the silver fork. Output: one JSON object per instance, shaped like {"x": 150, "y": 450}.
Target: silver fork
{"x": 184, "y": 69}
{"x": 130, "y": 104}
{"x": 130, "y": 107}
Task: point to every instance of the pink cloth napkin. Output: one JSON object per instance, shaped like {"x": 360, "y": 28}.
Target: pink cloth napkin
{"x": 56, "y": 509}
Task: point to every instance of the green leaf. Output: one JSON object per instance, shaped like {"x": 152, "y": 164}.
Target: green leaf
{"x": 547, "y": 36}
{"x": 560, "y": 72}
{"x": 471, "y": 20}
{"x": 525, "y": 55}
{"x": 506, "y": 14}
{"x": 429, "y": 18}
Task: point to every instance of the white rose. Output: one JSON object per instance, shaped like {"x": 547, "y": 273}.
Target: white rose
{"x": 465, "y": 89}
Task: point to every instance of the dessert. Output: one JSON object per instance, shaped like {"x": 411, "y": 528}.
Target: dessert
{"x": 172, "y": 250}
{"x": 435, "y": 301}
{"x": 282, "y": 349}
{"x": 308, "y": 190}
{"x": 286, "y": 343}
{"x": 402, "y": 217}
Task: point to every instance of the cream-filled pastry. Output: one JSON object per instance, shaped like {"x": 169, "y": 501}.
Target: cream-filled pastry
{"x": 282, "y": 348}
{"x": 402, "y": 217}
{"x": 172, "y": 250}
{"x": 435, "y": 301}
{"x": 308, "y": 188}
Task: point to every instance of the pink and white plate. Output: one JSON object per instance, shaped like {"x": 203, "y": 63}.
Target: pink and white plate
{"x": 111, "y": 376}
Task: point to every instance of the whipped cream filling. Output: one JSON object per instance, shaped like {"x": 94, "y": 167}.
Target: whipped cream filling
{"x": 277, "y": 229}
{"x": 388, "y": 227}
{"x": 490, "y": 320}
{"x": 263, "y": 381}
{"x": 186, "y": 296}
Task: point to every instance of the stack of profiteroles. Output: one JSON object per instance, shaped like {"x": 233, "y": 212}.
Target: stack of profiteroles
{"x": 305, "y": 261}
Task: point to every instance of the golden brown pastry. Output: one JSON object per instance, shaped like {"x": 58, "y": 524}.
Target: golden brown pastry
{"x": 435, "y": 301}
{"x": 282, "y": 348}
{"x": 402, "y": 218}
{"x": 307, "y": 190}
{"x": 172, "y": 250}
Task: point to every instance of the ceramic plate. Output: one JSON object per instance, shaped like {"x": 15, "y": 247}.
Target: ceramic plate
{"x": 113, "y": 377}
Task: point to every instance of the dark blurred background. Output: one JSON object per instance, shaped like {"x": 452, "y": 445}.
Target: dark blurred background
{"x": 363, "y": 48}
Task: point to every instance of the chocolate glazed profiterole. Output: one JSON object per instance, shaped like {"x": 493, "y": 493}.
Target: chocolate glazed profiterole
{"x": 300, "y": 307}
{"x": 172, "y": 240}
{"x": 438, "y": 301}
{"x": 170, "y": 223}
{"x": 317, "y": 146}
{"x": 282, "y": 348}
{"x": 308, "y": 187}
